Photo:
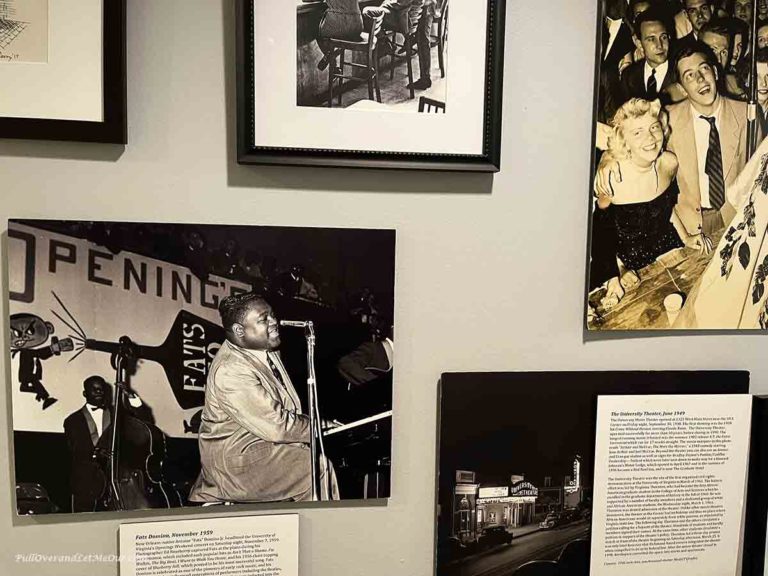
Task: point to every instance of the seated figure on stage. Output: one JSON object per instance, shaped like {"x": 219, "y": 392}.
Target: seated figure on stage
{"x": 293, "y": 284}
{"x": 392, "y": 11}
{"x": 368, "y": 361}
{"x": 254, "y": 438}
{"x": 341, "y": 20}
{"x": 368, "y": 371}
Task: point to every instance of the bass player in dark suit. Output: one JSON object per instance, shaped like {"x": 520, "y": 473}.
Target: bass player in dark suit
{"x": 83, "y": 430}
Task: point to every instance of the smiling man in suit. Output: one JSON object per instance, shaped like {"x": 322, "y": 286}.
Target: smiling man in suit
{"x": 651, "y": 78}
{"x": 254, "y": 436}
{"x": 709, "y": 138}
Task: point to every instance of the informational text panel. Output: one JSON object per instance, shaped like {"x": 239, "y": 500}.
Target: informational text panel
{"x": 670, "y": 482}
{"x": 241, "y": 546}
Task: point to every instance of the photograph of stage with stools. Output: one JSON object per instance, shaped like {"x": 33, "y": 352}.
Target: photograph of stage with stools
{"x": 180, "y": 365}
{"x": 372, "y": 54}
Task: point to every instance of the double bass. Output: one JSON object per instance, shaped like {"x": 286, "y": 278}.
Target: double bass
{"x": 131, "y": 452}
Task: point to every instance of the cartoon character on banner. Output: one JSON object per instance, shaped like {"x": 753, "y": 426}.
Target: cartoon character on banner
{"x": 28, "y": 334}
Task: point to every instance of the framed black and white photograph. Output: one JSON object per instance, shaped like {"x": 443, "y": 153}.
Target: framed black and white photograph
{"x": 516, "y": 461}
{"x": 370, "y": 83}
{"x": 181, "y": 365}
{"x": 75, "y": 51}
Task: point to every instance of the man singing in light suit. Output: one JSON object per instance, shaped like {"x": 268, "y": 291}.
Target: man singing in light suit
{"x": 253, "y": 435}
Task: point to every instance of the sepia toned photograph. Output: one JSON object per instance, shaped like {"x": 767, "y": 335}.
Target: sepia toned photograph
{"x": 23, "y": 31}
{"x": 182, "y": 365}
{"x": 679, "y": 199}
{"x": 516, "y": 461}
{"x": 372, "y": 54}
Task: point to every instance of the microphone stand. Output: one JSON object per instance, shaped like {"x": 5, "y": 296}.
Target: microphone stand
{"x": 315, "y": 438}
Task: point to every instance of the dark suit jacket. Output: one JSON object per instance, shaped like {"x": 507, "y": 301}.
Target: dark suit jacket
{"x": 733, "y": 141}
{"x": 687, "y": 41}
{"x": 364, "y": 364}
{"x": 633, "y": 83}
{"x": 86, "y": 479}
{"x": 253, "y": 436}
{"x": 610, "y": 95}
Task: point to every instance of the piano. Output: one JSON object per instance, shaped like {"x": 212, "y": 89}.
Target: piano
{"x": 361, "y": 449}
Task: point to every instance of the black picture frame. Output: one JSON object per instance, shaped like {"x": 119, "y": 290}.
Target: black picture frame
{"x": 488, "y": 161}
{"x": 113, "y": 128}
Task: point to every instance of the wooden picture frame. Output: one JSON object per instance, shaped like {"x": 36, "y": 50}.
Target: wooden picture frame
{"x": 113, "y": 127}
{"x": 487, "y": 160}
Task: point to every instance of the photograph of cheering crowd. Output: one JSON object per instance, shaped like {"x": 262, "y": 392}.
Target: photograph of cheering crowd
{"x": 680, "y": 192}
{"x": 170, "y": 365}
{"x": 372, "y": 54}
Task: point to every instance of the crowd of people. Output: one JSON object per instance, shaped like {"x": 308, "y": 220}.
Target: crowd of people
{"x": 190, "y": 246}
{"x": 223, "y": 255}
{"x": 673, "y": 131}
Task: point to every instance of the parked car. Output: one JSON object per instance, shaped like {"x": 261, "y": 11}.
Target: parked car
{"x": 494, "y": 536}
{"x": 553, "y": 520}
{"x": 574, "y": 558}
{"x": 451, "y": 549}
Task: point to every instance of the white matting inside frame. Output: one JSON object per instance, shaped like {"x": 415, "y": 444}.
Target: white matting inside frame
{"x": 69, "y": 86}
{"x": 279, "y": 122}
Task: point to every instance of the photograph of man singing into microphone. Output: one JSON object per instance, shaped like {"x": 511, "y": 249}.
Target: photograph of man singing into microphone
{"x": 196, "y": 365}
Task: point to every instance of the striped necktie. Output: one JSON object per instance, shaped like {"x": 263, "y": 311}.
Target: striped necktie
{"x": 275, "y": 370}
{"x": 714, "y": 166}
{"x": 652, "y": 89}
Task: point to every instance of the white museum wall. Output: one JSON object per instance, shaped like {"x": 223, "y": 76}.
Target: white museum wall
{"x": 490, "y": 270}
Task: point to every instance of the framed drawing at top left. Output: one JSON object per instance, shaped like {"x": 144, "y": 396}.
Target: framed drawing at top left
{"x": 63, "y": 70}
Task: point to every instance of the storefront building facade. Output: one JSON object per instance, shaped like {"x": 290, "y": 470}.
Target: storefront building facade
{"x": 510, "y": 506}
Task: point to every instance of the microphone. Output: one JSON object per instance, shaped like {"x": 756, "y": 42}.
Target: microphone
{"x": 295, "y": 323}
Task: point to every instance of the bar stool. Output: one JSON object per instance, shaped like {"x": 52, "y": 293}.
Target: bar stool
{"x": 408, "y": 22}
{"x": 429, "y": 105}
{"x": 367, "y": 45}
{"x": 442, "y": 34}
